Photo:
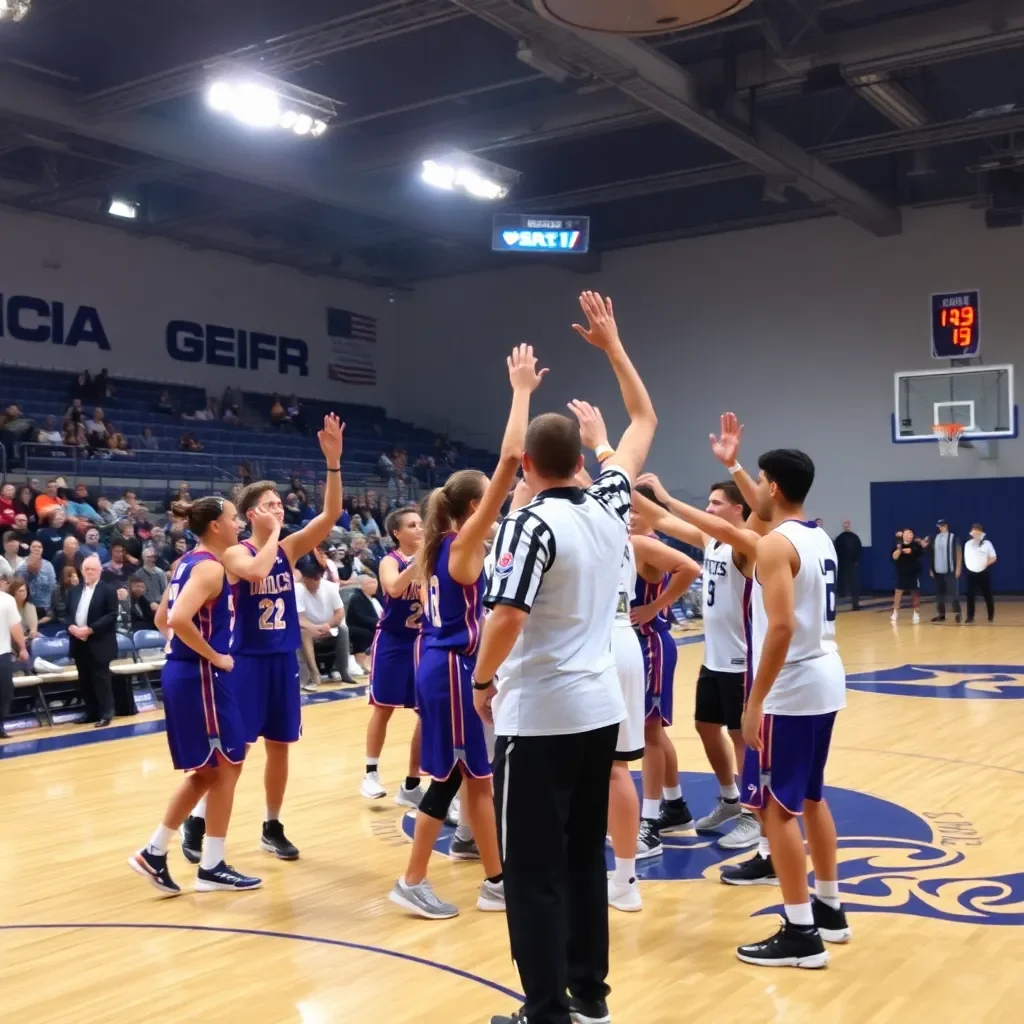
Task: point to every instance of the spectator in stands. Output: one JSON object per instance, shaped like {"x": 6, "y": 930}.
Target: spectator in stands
{"x": 375, "y": 547}
{"x": 7, "y": 509}
{"x": 124, "y": 611}
{"x": 14, "y": 429}
{"x": 146, "y": 442}
{"x": 292, "y": 512}
{"x": 278, "y": 413}
{"x": 356, "y": 523}
{"x": 386, "y": 466}
{"x": 28, "y": 614}
{"x": 73, "y": 434}
{"x": 118, "y": 444}
{"x": 294, "y": 411}
{"x": 101, "y": 388}
{"x": 108, "y": 517}
{"x": 369, "y": 524}
{"x": 143, "y": 524}
{"x": 50, "y": 434}
{"x": 12, "y": 636}
{"x": 53, "y": 533}
{"x": 117, "y": 569}
{"x": 244, "y": 474}
{"x": 81, "y": 387}
{"x": 126, "y": 504}
{"x": 80, "y": 511}
{"x": 425, "y": 470}
{"x": 12, "y": 558}
{"x": 321, "y": 616}
{"x": 48, "y": 502}
{"x": 91, "y": 621}
{"x": 69, "y": 554}
{"x": 188, "y": 442}
{"x": 74, "y": 412}
{"x": 93, "y": 546}
{"x": 183, "y": 493}
{"x": 22, "y": 531}
{"x": 362, "y": 615}
{"x": 154, "y": 578}
{"x": 164, "y": 404}
{"x": 38, "y": 573}
{"x": 59, "y": 601}
{"x": 97, "y": 429}
{"x": 180, "y": 547}
{"x": 124, "y": 534}
{"x": 164, "y": 552}
{"x": 25, "y": 505}
{"x": 231, "y": 416}
{"x": 324, "y": 555}
{"x": 143, "y": 611}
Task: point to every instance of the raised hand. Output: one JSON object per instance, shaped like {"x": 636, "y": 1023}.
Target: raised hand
{"x": 522, "y": 369}
{"x": 593, "y": 432}
{"x": 601, "y": 330}
{"x": 331, "y": 439}
{"x": 270, "y": 521}
{"x": 655, "y": 484}
{"x": 726, "y": 447}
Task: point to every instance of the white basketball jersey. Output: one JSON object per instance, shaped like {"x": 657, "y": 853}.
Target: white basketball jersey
{"x": 725, "y": 641}
{"x": 812, "y": 681}
{"x": 627, "y": 584}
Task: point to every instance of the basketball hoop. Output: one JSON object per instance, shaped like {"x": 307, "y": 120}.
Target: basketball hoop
{"x": 948, "y": 435}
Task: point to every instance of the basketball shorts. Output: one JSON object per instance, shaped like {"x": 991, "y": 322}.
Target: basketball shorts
{"x": 267, "y": 687}
{"x": 392, "y": 671}
{"x": 629, "y": 664}
{"x": 720, "y": 698}
{"x": 659, "y": 652}
{"x": 452, "y": 731}
{"x": 791, "y": 763}
{"x": 202, "y": 715}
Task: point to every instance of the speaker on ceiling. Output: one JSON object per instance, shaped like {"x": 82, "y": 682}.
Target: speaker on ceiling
{"x": 636, "y": 17}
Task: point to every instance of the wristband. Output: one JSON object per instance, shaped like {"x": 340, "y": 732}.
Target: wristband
{"x": 483, "y": 686}
{"x": 734, "y": 469}
{"x": 602, "y": 451}
{"x": 329, "y": 470}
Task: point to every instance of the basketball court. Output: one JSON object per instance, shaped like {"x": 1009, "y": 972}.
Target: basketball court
{"x": 927, "y": 786}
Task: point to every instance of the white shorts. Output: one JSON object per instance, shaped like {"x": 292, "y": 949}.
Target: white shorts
{"x": 629, "y": 663}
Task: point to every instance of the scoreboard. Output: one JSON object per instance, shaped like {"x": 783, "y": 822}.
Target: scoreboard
{"x": 956, "y": 325}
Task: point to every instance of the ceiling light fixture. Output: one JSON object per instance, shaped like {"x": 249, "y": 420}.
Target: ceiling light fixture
{"x": 461, "y": 172}
{"x": 14, "y": 10}
{"x": 124, "y": 208}
{"x": 259, "y": 105}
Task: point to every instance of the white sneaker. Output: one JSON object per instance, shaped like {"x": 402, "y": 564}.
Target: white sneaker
{"x": 916, "y": 619}
{"x": 624, "y": 896}
{"x": 335, "y": 676}
{"x": 492, "y": 897}
{"x": 745, "y": 833}
{"x": 408, "y": 797}
{"x": 356, "y": 670}
{"x": 371, "y": 787}
{"x": 311, "y": 685}
{"x": 895, "y": 617}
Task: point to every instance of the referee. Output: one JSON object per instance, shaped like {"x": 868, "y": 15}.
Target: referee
{"x": 553, "y": 597}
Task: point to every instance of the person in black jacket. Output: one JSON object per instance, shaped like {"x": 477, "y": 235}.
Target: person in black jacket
{"x": 361, "y": 615}
{"x": 91, "y": 619}
{"x": 848, "y": 549}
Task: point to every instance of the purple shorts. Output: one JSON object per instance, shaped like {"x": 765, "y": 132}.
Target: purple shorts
{"x": 660, "y": 654}
{"x": 393, "y": 671}
{"x": 202, "y": 715}
{"x": 791, "y": 763}
{"x": 453, "y": 732}
{"x": 267, "y": 687}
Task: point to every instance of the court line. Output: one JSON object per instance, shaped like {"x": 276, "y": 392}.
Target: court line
{"x": 932, "y": 757}
{"x": 342, "y": 943}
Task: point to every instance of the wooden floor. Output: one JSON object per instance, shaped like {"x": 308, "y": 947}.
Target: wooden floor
{"x": 927, "y": 777}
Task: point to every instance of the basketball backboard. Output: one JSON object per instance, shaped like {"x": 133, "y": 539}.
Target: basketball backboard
{"x": 979, "y": 397}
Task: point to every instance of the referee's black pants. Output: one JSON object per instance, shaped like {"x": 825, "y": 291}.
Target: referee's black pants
{"x": 551, "y": 802}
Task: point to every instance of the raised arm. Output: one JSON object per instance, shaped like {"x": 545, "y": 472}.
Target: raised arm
{"x": 602, "y": 332}
{"x": 726, "y": 448}
{"x": 241, "y": 562}
{"x": 682, "y": 569}
{"x": 203, "y": 585}
{"x": 319, "y": 528}
{"x": 661, "y": 519}
{"x": 466, "y": 555}
{"x": 396, "y": 582}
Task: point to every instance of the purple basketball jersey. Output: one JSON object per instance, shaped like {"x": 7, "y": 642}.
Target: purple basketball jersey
{"x": 455, "y": 609}
{"x": 266, "y": 618}
{"x": 402, "y": 615}
{"x": 647, "y": 593}
{"x": 214, "y": 618}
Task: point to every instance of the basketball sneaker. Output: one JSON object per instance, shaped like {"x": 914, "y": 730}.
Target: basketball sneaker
{"x": 624, "y": 896}
{"x": 420, "y": 899}
{"x": 463, "y": 849}
{"x": 516, "y": 1018}
{"x": 723, "y": 813}
{"x": 223, "y": 876}
{"x": 675, "y": 816}
{"x": 790, "y": 946}
{"x": 371, "y": 787}
{"x": 153, "y": 867}
{"x": 648, "y": 840}
{"x": 276, "y": 842}
{"x": 409, "y": 797}
{"x": 744, "y": 834}
{"x": 192, "y": 831}
{"x": 583, "y": 1011}
{"x": 492, "y": 897}
{"x": 831, "y": 923}
{"x": 757, "y": 870}
{"x": 915, "y": 618}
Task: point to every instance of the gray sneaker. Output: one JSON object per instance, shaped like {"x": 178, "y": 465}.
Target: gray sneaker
{"x": 747, "y": 833}
{"x": 420, "y": 899}
{"x": 492, "y": 897}
{"x": 721, "y": 815}
{"x": 463, "y": 849}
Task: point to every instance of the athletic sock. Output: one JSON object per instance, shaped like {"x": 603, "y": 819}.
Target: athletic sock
{"x": 672, "y": 793}
{"x": 652, "y": 808}
{"x": 828, "y": 893}
{"x": 199, "y": 811}
{"x": 730, "y": 793}
{"x": 371, "y": 764}
{"x": 800, "y": 914}
{"x": 273, "y": 813}
{"x": 463, "y": 833}
{"x": 763, "y": 849}
{"x": 412, "y": 781}
{"x": 625, "y": 869}
{"x": 161, "y": 841}
{"x": 213, "y": 853}
{"x": 496, "y": 879}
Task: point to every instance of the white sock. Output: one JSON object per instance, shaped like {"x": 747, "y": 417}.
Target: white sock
{"x": 161, "y": 841}
{"x": 730, "y": 792}
{"x": 800, "y": 914}
{"x": 371, "y": 764}
{"x": 199, "y": 811}
{"x": 827, "y": 892}
{"x": 463, "y": 833}
{"x": 652, "y": 808}
{"x": 763, "y": 849}
{"x": 672, "y": 792}
{"x": 464, "y": 813}
{"x": 625, "y": 869}
{"x": 213, "y": 853}
{"x": 273, "y": 813}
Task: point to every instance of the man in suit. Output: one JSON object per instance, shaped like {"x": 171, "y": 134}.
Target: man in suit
{"x": 91, "y": 619}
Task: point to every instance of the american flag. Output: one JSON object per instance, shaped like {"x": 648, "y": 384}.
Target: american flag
{"x": 353, "y": 347}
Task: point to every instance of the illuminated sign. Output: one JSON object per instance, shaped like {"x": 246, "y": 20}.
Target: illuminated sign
{"x": 956, "y": 325}
{"x": 532, "y": 232}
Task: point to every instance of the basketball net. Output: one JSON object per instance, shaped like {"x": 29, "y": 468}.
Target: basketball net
{"x": 948, "y": 435}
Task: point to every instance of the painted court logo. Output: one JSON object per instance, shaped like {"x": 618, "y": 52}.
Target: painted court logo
{"x": 947, "y": 682}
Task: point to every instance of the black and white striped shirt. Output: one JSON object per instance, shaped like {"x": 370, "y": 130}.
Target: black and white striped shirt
{"x": 558, "y": 559}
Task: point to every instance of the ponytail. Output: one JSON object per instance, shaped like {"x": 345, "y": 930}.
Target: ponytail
{"x": 199, "y": 514}
{"x": 444, "y": 508}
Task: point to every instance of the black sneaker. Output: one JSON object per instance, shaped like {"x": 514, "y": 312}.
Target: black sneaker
{"x": 938, "y": 618}
{"x": 790, "y": 946}
{"x": 675, "y": 817}
{"x": 757, "y": 870}
{"x": 831, "y": 924}
{"x": 276, "y": 842}
{"x": 192, "y": 831}
{"x": 648, "y": 840}
{"x": 957, "y": 617}
{"x": 153, "y": 866}
{"x": 223, "y": 876}
{"x": 463, "y": 849}
{"x": 584, "y": 1011}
